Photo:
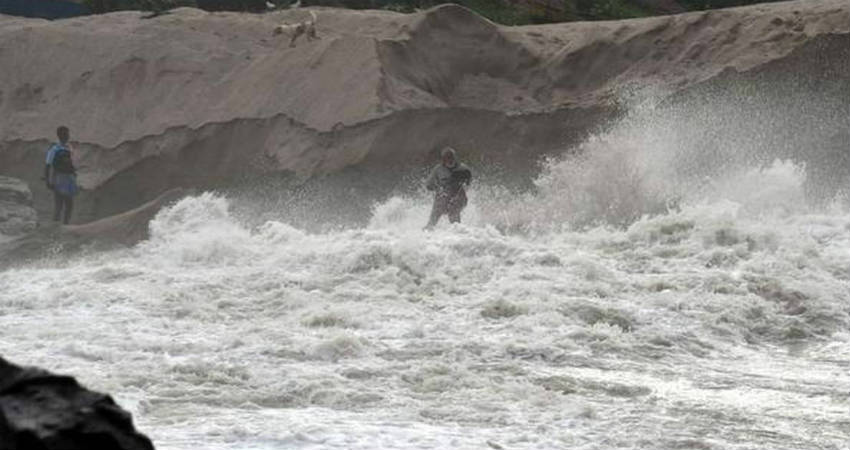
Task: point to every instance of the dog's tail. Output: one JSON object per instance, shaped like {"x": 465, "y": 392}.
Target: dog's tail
{"x": 313, "y": 15}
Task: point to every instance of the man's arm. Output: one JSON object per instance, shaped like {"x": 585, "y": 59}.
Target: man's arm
{"x": 431, "y": 184}
{"x": 48, "y": 164}
{"x": 462, "y": 176}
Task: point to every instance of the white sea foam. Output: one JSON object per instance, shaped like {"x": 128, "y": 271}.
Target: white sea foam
{"x": 619, "y": 305}
{"x": 220, "y": 336}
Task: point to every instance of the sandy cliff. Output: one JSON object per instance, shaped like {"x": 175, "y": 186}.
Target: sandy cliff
{"x": 196, "y": 99}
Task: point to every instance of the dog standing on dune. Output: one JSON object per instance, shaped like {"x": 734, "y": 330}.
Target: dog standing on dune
{"x": 307, "y": 28}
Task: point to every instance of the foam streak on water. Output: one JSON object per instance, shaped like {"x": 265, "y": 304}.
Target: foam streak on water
{"x": 712, "y": 326}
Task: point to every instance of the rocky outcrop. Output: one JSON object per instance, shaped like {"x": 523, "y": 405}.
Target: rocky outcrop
{"x": 17, "y": 216}
{"x": 380, "y": 91}
{"x": 43, "y": 411}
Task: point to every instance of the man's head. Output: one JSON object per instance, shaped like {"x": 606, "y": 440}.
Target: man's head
{"x": 64, "y": 134}
{"x": 448, "y": 157}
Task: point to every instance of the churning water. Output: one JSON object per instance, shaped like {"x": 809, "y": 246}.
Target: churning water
{"x": 620, "y": 305}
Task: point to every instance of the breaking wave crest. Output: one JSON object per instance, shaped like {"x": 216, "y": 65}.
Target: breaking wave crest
{"x": 631, "y": 285}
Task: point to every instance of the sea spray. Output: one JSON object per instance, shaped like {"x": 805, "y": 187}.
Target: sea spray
{"x": 692, "y": 311}
{"x": 642, "y": 281}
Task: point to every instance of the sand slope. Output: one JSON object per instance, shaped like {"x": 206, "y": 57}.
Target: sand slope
{"x": 193, "y": 99}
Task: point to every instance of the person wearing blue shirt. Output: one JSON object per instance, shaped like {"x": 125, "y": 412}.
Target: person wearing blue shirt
{"x": 61, "y": 176}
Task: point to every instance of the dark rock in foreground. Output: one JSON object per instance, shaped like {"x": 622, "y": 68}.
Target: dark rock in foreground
{"x": 40, "y": 410}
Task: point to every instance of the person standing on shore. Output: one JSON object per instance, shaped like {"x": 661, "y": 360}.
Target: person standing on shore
{"x": 448, "y": 180}
{"x": 61, "y": 176}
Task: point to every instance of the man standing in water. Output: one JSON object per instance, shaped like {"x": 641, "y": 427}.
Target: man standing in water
{"x": 60, "y": 176}
{"x": 448, "y": 180}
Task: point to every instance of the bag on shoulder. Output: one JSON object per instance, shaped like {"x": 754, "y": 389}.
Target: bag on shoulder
{"x": 62, "y": 161}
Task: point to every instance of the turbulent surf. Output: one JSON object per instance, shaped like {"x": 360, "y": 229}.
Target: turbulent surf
{"x": 611, "y": 306}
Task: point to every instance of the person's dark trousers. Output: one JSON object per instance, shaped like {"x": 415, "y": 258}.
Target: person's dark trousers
{"x": 445, "y": 205}
{"x": 60, "y": 203}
